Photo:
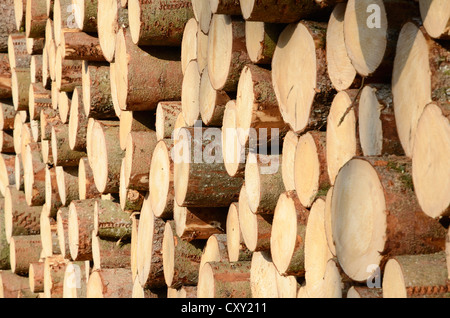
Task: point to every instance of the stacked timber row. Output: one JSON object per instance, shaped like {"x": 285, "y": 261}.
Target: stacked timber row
{"x": 238, "y": 149}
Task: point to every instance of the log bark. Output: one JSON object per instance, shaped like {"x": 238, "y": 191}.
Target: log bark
{"x": 67, "y": 72}
{"x": 20, "y": 219}
{"x": 24, "y": 250}
{"x": 263, "y": 182}
{"x": 62, "y": 154}
{"x": 63, "y": 18}
{"x": 205, "y": 182}
{"x": 8, "y": 23}
{"x": 229, "y": 7}
{"x": 399, "y": 226}
{"x": 7, "y": 142}
{"x": 76, "y": 279}
{"x": 181, "y": 259}
{"x": 86, "y": 184}
{"x": 364, "y": 292}
{"x": 136, "y": 122}
{"x": 67, "y": 181}
{"x": 8, "y": 114}
{"x": 303, "y": 106}
{"x": 110, "y": 283}
{"x": 39, "y": 98}
{"x": 226, "y": 61}
{"x": 54, "y": 272}
{"x": 5, "y": 77}
{"x": 97, "y": 98}
{"x": 111, "y": 222}
{"x": 285, "y": 12}
{"x": 225, "y": 280}
{"x": 158, "y": 23}
{"x": 36, "y": 277}
{"x": 15, "y": 286}
{"x": 49, "y": 117}
{"x": 17, "y": 51}
{"x": 255, "y": 228}
{"x": 166, "y": 116}
{"x": 110, "y": 254}
{"x": 158, "y": 70}
{"x": 35, "y": 18}
{"x": 86, "y": 15}
{"x": 416, "y": 276}
{"x": 78, "y": 45}
{"x": 7, "y": 172}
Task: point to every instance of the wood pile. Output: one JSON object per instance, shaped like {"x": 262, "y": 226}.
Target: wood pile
{"x": 224, "y": 148}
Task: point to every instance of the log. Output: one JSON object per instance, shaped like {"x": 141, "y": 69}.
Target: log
{"x": 261, "y": 40}
{"x": 54, "y": 272}
{"x": 376, "y": 122}
{"x": 399, "y": 226}
{"x": 35, "y": 18}
{"x": 7, "y": 143}
{"x": 212, "y": 102}
{"x": 62, "y": 221}
{"x": 130, "y": 200}
{"x": 78, "y": 122}
{"x": 18, "y": 173}
{"x": 5, "y": 77}
{"x": 328, "y": 225}
{"x": 62, "y": 154}
{"x": 52, "y": 198}
{"x": 17, "y": 51}
{"x": 341, "y": 71}
{"x": 78, "y": 45}
{"x": 67, "y": 181}
{"x": 24, "y": 250}
{"x": 158, "y": 70}
{"x": 20, "y": 219}
{"x": 263, "y": 276}
{"x": 139, "y": 151}
{"x": 201, "y": 183}
{"x": 7, "y": 172}
{"x": 110, "y": 19}
{"x": 19, "y": 13}
{"x": 136, "y": 122}
{"x": 149, "y": 248}
{"x": 8, "y": 23}
{"x": 287, "y": 239}
{"x": 237, "y": 250}
{"x": 15, "y": 286}
{"x": 310, "y": 167}
{"x": 190, "y": 94}
{"x": 80, "y": 227}
{"x": 17, "y": 132}
{"x": 234, "y": 154}
{"x": 4, "y": 245}
{"x": 75, "y": 279}
{"x": 64, "y": 102}
{"x": 181, "y": 259}
{"x": 285, "y": 12}
{"x": 436, "y": 18}
{"x": 36, "y": 277}
{"x": 86, "y": 183}
{"x": 48, "y": 232}
{"x": 371, "y": 42}
{"x": 255, "y": 228}
{"x": 166, "y": 116}
{"x": 105, "y": 157}
{"x": 287, "y": 286}
{"x": 161, "y": 180}
{"x": 49, "y": 117}
{"x": 202, "y": 50}
{"x": 51, "y": 51}
{"x": 35, "y": 46}
{"x": 316, "y": 251}
{"x": 215, "y": 250}
{"x": 364, "y": 292}
{"x": 199, "y": 223}
{"x": 39, "y": 98}
{"x": 202, "y": 13}
{"x": 224, "y": 280}
{"x": 8, "y": 114}
{"x": 304, "y": 97}
{"x": 416, "y": 276}
{"x": 427, "y": 60}
{"x": 158, "y": 23}
{"x": 110, "y": 283}
{"x": 189, "y": 43}
{"x": 67, "y": 72}
{"x": 134, "y": 238}
{"x": 46, "y": 77}
{"x": 111, "y": 222}
{"x": 335, "y": 283}
{"x": 429, "y": 166}
{"x": 342, "y": 140}
{"x": 97, "y": 98}
{"x": 263, "y": 182}
{"x": 86, "y": 15}
{"x": 63, "y": 18}
{"x": 229, "y": 7}
{"x": 110, "y": 254}
{"x": 226, "y": 61}
{"x": 20, "y": 85}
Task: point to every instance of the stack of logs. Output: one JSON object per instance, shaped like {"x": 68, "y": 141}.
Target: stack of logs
{"x": 224, "y": 148}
